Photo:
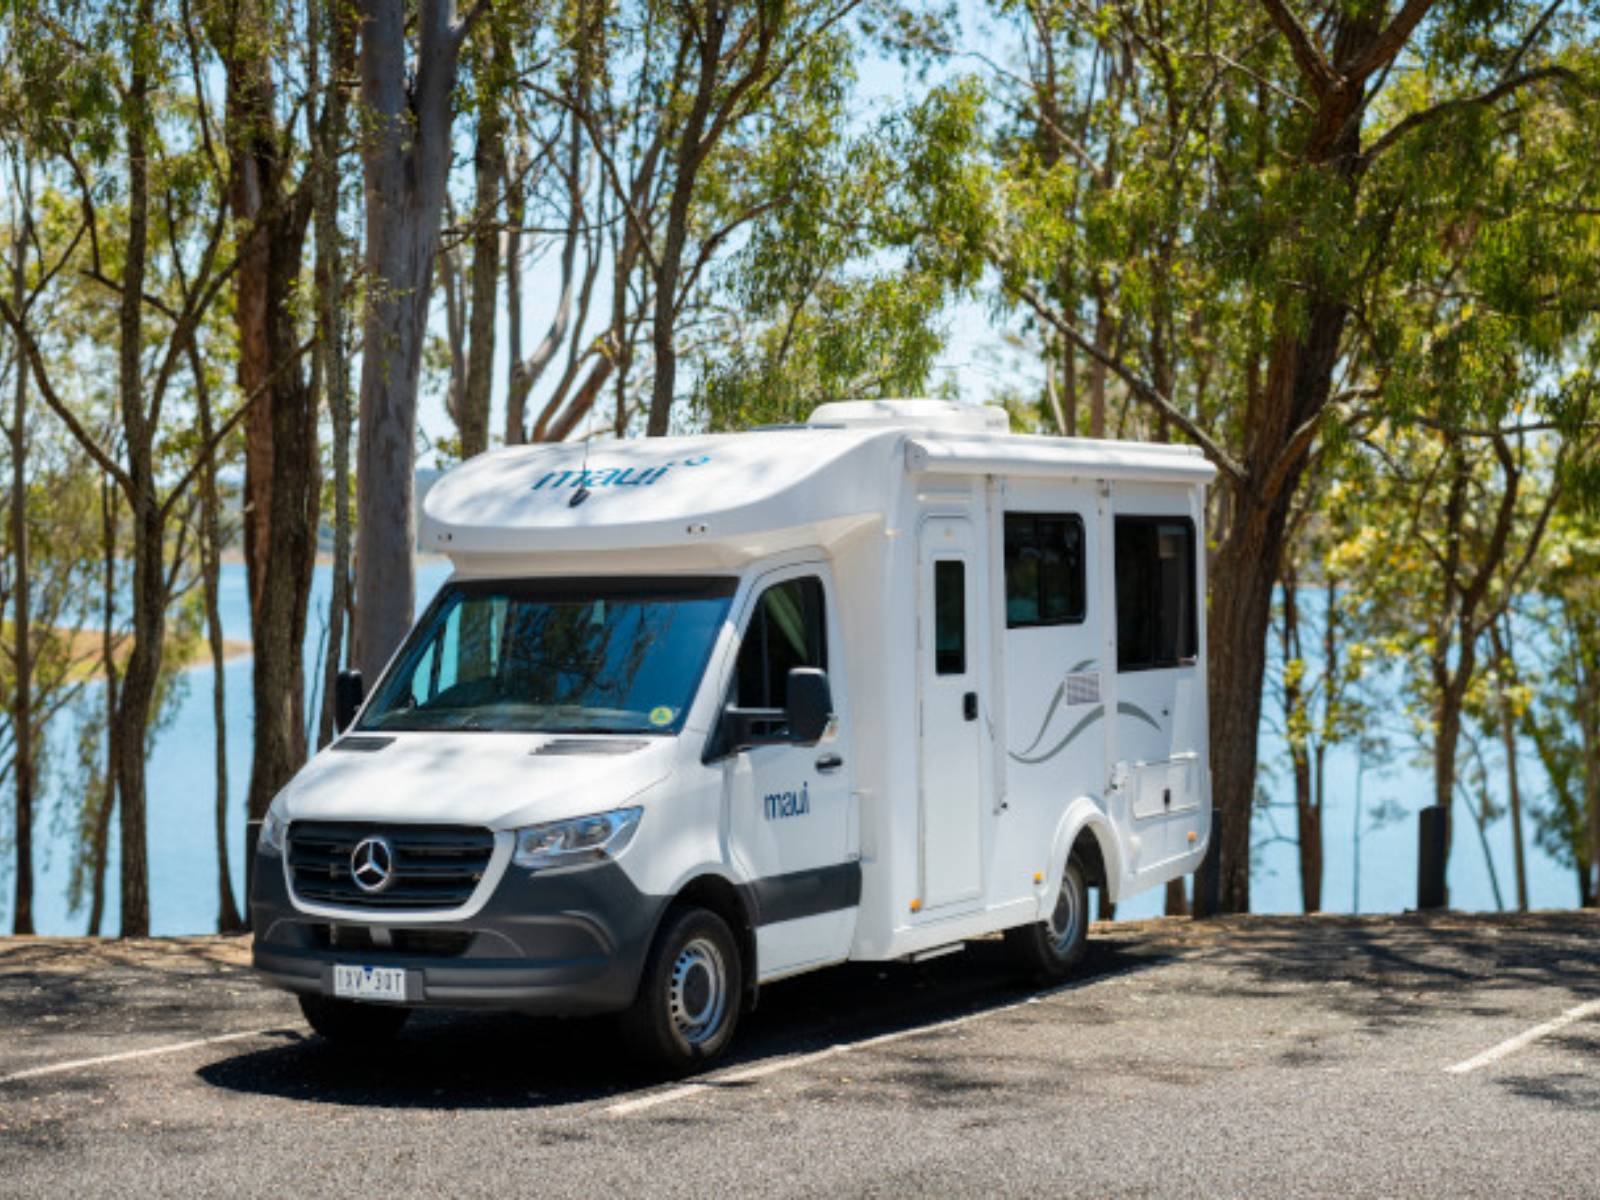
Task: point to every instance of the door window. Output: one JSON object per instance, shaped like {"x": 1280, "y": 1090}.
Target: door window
{"x": 1156, "y": 622}
{"x": 949, "y": 617}
{"x": 786, "y": 630}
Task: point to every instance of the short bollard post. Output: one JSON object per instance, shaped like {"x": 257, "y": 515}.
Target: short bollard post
{"x": 1432, "y": 844}
{"x": 252, "y": 835}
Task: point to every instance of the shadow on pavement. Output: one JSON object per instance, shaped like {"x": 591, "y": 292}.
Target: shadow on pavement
{"x": 491, "y": 1060}
{"x": 1388, "y": 973}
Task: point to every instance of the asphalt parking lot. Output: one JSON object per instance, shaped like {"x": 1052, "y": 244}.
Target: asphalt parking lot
{"x": 1404, "y": 1056}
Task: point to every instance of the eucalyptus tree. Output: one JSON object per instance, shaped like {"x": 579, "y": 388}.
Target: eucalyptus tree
{"x": 407, "y": 94}
{"x": 108, "y": 113}
{"x": 270, "y": 192}
{"x": 1233, "y": 177}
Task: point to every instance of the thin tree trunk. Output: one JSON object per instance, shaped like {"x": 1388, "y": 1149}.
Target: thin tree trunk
{"x": 516, "y": 430}
{"x": 23, "y": 766}
{"x": 1308, "y": 826}
{"x": 334, "y": 367}
{"x": 1508, "y": 740}
{"x": 210, "y": 570}
{"x": 489, "y": 155}
{"x": 108, "y": 665}
{"x": 149, "y": 594}
{"x": 405, "y": 158}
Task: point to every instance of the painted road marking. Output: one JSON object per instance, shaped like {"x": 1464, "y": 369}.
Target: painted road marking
{"x": 1525, "y": 1038}
{"x": 79, "y": 1064}
{"x": 760, "y": 1071}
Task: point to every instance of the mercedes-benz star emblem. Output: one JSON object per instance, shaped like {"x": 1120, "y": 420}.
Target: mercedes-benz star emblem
{"x": 372, "y": 864}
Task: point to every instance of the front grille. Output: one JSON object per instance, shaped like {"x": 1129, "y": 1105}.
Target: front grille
{"x": 435, "y": 866}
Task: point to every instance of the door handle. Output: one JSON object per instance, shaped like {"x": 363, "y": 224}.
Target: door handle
{"x": 969, "y": 706}
{"x": 829, "y": 762}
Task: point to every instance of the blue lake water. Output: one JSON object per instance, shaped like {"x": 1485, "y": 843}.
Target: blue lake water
{"x": 183, "y": 882}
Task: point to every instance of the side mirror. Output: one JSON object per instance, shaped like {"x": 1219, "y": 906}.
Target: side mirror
{"x": 810, "y": 704}
{"x": 348, "y": 692}
{"x": 802, "y": 721}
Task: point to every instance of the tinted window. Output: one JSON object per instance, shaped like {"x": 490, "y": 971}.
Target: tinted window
{"x": 1044, "y": 569}
{"x": 785, "y": 631}
{"x": 950, "y": 617}
{"x": 1156, "y": 608}
{"x": 581, "y": 656}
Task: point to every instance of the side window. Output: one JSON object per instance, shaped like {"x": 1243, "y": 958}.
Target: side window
{"x": 786, "y": 630}
{"x": 1156, "y": 603}
{"x": 949, "y": 617}
{"x": 1044, "y": 569}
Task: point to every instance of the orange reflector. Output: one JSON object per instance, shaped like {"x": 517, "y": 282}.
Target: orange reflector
{"x": 1193, "y": 836}
{"x": 1038, "y": 876}
{"x": 916, "y": 906}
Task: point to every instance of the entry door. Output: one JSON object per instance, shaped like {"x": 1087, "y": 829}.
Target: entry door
{"x": 788, "y": 805}
{"x": 949, "y": 672}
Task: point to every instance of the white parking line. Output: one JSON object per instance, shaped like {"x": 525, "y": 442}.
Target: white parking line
{"x": 79, "y": 1064}
{"x": 773, "y": 1067}
{"x": 1525, "y": 1038}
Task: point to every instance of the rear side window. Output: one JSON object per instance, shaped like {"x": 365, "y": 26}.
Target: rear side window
{"x": 1156, "y": 603}
{"x": 1044, "y": 569}
{"x": 786, "y": 630}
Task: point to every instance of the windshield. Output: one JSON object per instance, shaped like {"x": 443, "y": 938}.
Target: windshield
{"x": 558, "y": 656}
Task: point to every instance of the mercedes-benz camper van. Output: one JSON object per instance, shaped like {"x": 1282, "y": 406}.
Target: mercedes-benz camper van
{"x": 695, "y": 714}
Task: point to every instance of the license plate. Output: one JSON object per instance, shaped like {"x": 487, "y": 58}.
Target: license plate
{"x": 370, "y": 983}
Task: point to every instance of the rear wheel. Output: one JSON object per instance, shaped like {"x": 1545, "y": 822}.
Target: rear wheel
{"x": 352, "y": 1023}
{"x": 688, "y": 1002}
{"x": 1052, "y": 947}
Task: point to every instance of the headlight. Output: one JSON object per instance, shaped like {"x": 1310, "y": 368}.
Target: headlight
{"x": 273, "y": 827}
{"x": 583, "y": 839}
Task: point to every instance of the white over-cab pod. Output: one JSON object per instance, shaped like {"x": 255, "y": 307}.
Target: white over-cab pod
{"x": 694, "y": 714}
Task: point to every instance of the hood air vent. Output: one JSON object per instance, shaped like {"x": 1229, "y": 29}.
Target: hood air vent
{"x": 565, "y": 746}
{"x": 359, "y": 743}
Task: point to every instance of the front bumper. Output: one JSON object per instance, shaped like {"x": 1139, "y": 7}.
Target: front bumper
{"x": 561, "y": 943}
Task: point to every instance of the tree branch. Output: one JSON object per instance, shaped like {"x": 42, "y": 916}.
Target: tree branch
{"x": 1428, "y": 115}
{"x": 1137, "y": 385}
{"x": 1307, "y": 57}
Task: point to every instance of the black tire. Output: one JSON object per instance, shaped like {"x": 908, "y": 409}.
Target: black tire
{"x": 689, "y": 997}
{"x": 1050, "y": 949}
{"x": 352, "y": 1023}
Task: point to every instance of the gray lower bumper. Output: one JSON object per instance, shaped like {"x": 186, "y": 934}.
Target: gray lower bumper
{"x": 559, "y": 943}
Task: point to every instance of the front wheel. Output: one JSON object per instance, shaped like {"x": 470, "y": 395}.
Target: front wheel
{"x": 1051, "y": 948}
{"x": 688, "y": 1002}
{"x": 352, "y": 1023}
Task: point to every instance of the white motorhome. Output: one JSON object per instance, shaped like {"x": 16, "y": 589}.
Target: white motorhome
{"x": 695, "y": 714}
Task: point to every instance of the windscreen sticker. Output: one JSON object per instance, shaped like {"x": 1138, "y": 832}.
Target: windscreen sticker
{"x": 661, "y": 715}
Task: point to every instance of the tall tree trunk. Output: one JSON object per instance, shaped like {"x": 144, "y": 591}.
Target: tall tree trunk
{"x": 686, "y": 168}
{"x": 333, "y": 367}
{"x": 282, "y": 477}
{"x": 488, "y": 165}
{"x": 210, "y": 571}
{"x": 23, "y": 768}
{"x": 516, "y": 428}
{"x": 149, "y": 592}
{"x": 405, "y": 157}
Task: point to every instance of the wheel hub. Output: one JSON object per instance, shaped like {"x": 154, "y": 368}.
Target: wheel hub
{"x": 699, "y": 991}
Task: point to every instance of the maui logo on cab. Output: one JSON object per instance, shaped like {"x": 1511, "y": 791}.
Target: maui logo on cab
{"x": 788, "y": 804}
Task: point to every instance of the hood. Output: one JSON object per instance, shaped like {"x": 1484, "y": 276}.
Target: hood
{"x": 498, "y": 780}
